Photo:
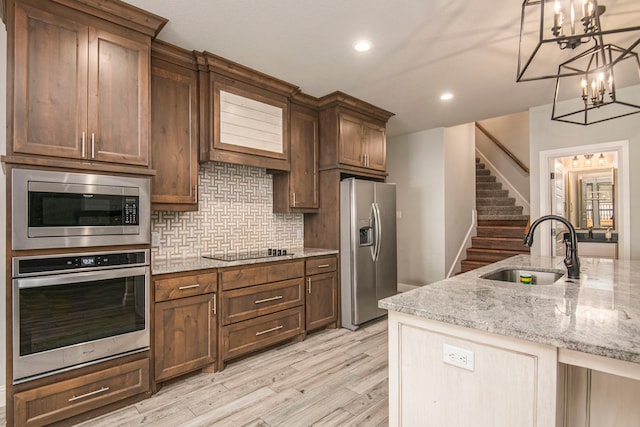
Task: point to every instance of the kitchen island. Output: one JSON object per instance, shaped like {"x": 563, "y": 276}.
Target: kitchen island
{"x": 472, "y": 351}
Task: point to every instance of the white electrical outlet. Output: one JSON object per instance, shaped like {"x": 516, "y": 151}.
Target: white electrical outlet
{"x": 457, "y": 356}
{"x": 155, "y": 239}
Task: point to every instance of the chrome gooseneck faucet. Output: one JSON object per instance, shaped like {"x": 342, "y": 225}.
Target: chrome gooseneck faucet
{"x": 571, "y": 260}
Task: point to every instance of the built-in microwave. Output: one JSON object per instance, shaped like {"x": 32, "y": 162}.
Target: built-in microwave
{"x": 52, "y": 209}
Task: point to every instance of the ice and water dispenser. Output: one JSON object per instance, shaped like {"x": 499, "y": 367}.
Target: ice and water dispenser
{"x": 366, "y": 232}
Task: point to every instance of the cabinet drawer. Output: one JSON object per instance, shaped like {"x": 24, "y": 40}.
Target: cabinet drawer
{"x": 55, "y": 402}
{"x": 250, "y": 335}
{"x": 322, "y": 264}
{"x": 247, "y": 303}
{"x": 184, "y": 286}
{"x": 262, "y": 273}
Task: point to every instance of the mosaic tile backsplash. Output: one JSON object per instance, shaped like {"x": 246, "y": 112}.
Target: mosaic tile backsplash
{"x": 235, "y": 214}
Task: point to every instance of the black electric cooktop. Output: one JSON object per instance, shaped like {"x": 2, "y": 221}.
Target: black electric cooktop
{"x": 238, "y": 256}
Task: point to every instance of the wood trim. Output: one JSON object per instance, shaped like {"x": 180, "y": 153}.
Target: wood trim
{"x": 342, "y": 99}
{"x": 120, "y": 13}
{"x": 173, "y": 54}
{"x": 305, "y": 100}
{"x": 225, "y": 67}
{"x": 76, "y": 165}
{"x": 506, "y": 151}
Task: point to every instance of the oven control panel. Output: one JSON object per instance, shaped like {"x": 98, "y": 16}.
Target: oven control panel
{"x": 37, "y": 265}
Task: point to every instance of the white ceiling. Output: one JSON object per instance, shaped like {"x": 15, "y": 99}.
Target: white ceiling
{"x": 421, "y": 48}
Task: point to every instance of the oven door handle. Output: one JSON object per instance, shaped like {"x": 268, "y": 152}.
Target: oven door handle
{"x": 84, "y": 276}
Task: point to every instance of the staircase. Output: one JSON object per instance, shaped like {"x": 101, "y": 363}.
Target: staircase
{"x": 501, "y": 224}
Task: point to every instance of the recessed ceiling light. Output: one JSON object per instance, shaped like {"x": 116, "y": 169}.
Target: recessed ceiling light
{"x": 446, "y": 96}
{"x": 362, "y": 46}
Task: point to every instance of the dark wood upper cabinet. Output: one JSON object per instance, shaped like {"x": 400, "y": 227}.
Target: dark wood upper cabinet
{"x": 352, "y": 135}
{"x": 297, "y": 191}
{"x": 174, "y": 128}
{"x": 80, "y": 80}
{"x": 244, "y": 115}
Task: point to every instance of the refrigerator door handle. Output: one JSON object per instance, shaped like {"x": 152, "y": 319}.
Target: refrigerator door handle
{"x": 377, "y": 230}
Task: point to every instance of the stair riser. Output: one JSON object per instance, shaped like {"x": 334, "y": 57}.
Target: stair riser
{"x": 471, "y": 265}
{"x": 499, "y": 210}
{"x": 480, "y": 255}
{"x": 485, "y": 178}
{"x": 491, "y": 193}
{"x": 503, "y": 223}
{"x": 483, "y": 172}
{"x": 495, "y": 201}
{"x": 488, "y": 186}
{"x": 500, "y": 217}
{"x": 514, "y": 233}
{"x": 504, "y": 244}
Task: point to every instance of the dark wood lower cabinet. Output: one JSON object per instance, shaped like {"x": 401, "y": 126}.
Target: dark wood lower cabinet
{"x": 62, "y": 400}
{"x": 185, "y": 335}
{"x": 322, "y": 300}
{"x": 251, "y": 335}
{"x": 321, "y": 292}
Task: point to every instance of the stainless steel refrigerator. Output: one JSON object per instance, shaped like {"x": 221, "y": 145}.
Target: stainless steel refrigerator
{"x": 368, "y": 257}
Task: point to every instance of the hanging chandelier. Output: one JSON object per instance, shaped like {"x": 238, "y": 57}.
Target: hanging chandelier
{"x": 552, "y": 32}
{"x": 590, "y": 95}
{"x": 591, "y": 72}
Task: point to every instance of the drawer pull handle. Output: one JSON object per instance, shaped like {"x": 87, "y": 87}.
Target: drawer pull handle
{"x": 91, "y": 393}
{"x": 309, "y": 283}
{"x": 260, "y": 301}
{"x": 269, "y": 330}
{"x": 182, "y": 288}
{"x": 323, "y": 266}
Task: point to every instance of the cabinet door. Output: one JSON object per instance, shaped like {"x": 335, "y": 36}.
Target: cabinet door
{"x": 304, "y": 160}
{"x": 185, "y": 335}
{"x": 50, "y": 84}
{"x": 174, "y": 135}
{"x": 118, "y": 98}
{"x": 350, "y": 144}
{"x": 374, "y": 146}
{"x": 322, "y": 300}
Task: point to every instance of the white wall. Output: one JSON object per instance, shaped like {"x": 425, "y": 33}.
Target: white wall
{"x": 415, "y": 163}
{"x": 435, "y": 175}
{"x": 513, "y": 132}
{"x": 459, "y": 182}
{"x": 3, "y": 150}
{"x": 546, "y": 134}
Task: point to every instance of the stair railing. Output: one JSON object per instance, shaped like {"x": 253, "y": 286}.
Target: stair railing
{"x": 512, "y": 156}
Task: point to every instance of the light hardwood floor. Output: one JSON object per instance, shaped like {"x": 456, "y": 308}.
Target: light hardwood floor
{"x": 334, "y": 378}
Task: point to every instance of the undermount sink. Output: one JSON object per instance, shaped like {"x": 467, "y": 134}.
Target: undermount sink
{"x": 513, "y": 275}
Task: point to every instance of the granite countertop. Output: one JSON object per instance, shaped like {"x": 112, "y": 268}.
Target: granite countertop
{"x": 596, "y": 314}
{"x": 176, "y": 265}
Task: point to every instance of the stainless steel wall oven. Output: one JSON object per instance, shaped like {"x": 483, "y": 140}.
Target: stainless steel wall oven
{"x": 73, "y": 309}
{"x": 53, "y": 209}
